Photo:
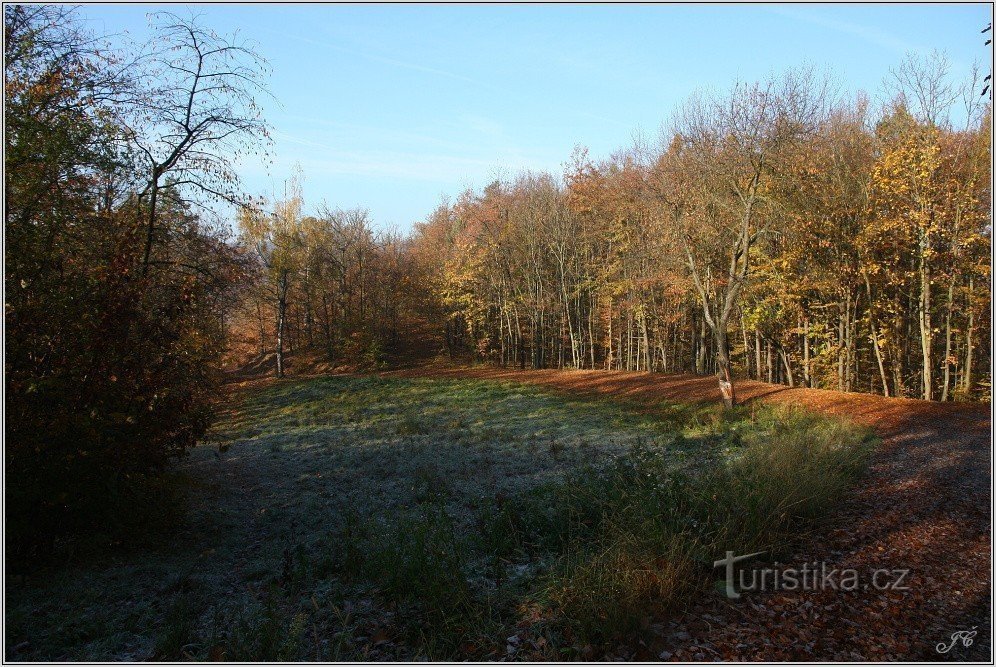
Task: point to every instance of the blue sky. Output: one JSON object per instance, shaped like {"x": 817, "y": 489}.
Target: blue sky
{"x": 389, "y": 107}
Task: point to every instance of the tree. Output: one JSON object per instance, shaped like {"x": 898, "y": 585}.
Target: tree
{"x": 201, "y": 116}
{"x": 278, "y": 241}
{"x": 109, "y": 369}
{"x": 729, "y": 152}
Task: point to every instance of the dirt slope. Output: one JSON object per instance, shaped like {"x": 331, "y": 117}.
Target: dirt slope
{"x": 924, "y": 505}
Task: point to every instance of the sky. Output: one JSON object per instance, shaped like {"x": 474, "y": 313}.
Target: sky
{"x": 393, "y": 107}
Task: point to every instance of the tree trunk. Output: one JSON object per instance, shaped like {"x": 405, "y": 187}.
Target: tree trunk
{"x": 768, "y": 360}
{"x": 947, "y": 343}
{"x": 788, "y": 367}
{"x": 723, "y": 366}
{"x": 926, "y": 331}
{"x": 646, "y": 341}
{"x": 150, "y": 230}
{"x": 591, "y": 328}
{"x": 262, "y": 329}
{"x": 874, "y": 336}
{"x": 701, "y": 355}
{"x": 948, "y": 360}
{"x": 608, "y": 354}
{"x": 967, "y": 385}
{"x": 743, "y": 332}
{"x": 757, "y": 355}
{"x": 805, "y": 352}
{"x": 842, "y": 343}
{"x": 281, "y": 321}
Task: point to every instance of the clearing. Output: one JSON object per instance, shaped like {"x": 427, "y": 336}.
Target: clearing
{"x": 494, "y": 514}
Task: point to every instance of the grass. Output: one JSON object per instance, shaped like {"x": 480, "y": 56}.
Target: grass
{"x": 374, "y": 518}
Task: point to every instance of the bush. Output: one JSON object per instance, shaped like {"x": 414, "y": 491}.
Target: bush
{"x": 109, "y": 358}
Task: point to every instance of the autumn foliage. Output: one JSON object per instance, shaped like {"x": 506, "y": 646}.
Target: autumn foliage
{"x": 794, "y": 236}
{"x": 777, "y": 231}
{"x": 113, "y": 347}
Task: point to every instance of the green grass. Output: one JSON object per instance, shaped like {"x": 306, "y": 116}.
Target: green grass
{"x": 374, "y": 518}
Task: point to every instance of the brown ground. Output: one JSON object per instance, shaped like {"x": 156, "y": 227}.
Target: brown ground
{"x": 924, "y": 505}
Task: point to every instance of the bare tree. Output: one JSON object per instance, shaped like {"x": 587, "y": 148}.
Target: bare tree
{"x": 201, "y": 116}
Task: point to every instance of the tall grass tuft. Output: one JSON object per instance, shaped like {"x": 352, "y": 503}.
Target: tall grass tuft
{"x": 641, "y": 536}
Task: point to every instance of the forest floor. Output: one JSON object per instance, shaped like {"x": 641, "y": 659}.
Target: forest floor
{"x": 925, "y": 505}
{"x": 311, "y": 488}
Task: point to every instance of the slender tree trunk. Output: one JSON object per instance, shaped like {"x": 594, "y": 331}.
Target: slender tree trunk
{"x": 757, "y": 355}
{"x": 926, "y": 331}
{"x": 743, "y": 331}
{"x": 768, "y": 359}
{"x": 151, "y": 226}
{"x": 947, "y": 343}
{"x": 842, "y": 343}
{"x": 262, "y": 329}
{"x": 872, "y": 320}
{"x": 608, "y": 355}
{"x": 326, "y": 322}
{"x": 851, "y": 367}
{"x": 646, "y": 341}
{"x": 967, "y": 385}
{"x": 281, "y": 322}
{"x": 948, "y": 360}
{"x": 575, "y": 360}
{"x": 593, "y": 309}
{"x": 805, "y": 352}
{"x": 701, "y": 356}
{"x": 788, "y": 366}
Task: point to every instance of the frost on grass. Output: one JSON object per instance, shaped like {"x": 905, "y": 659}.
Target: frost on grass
{"x": 365, "y": 517}
{"x": 300, "y": 459}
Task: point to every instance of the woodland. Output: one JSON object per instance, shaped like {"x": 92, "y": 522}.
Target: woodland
{"x": 778, "y": 231}
{"x": 781, "y": 230}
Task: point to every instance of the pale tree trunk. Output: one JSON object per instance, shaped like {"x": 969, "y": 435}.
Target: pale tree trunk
{"x": 805, "y": 352}
{"x": 575, "y": 356}
{"x": 757, "y": 355}
{"x": 947, "y": 343}
{"x": 841, "y": 342}
{"x": 948, "y": 361}
{"x": 608, "y": 355}
{"x": 926, "y": 331}
{"x": 968, "y": 338}
{"x": 726, "y": 388}
{"x": 849, "y": 366}
{"x": 700, "y": 357}
{"x": 718, "y": 319}
{"x": 788, "y": 366}
{"x": 874, "y": 338}
{"x": 593, "y": 308}
{"x": 646, "y": 340}
{"x": 743, "y": 331}
{"x": 281, "y": 322}
{"x": 768, "y": 358}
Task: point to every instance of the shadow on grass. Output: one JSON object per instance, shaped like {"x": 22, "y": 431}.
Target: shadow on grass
{"x": 390, "y": 518}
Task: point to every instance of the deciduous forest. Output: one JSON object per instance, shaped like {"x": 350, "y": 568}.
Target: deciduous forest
{"x": 779, "y": 230}
{"x": 783, "y": 230}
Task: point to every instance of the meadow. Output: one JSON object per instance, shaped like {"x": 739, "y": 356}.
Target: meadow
{"x": 369, "y": 517}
